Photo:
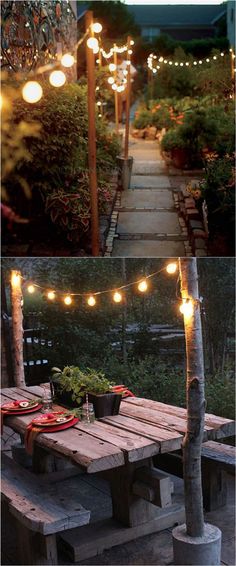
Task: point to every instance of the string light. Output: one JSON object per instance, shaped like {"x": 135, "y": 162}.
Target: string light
{"x": 67, "y": 300}
{"x": 97, "y": 27}
{"x": 51, "y": 295}
{"x": 117, "y": 297}
{"x": 92, "y": 43}
{"x": 91, "y": 301}
{"x": 114, "y": 86}
{"x": 31, "y": 289}
{"x": 195, "y": 63}
{"x": 111, "y": 80}
{"x": 186, "y": 308}
{"x": 112, "y": 67}
{"x": 32, "y": 92}
{"x": 171, "y": 268}
{"x": 143, "y": 286}
{"x": 57, "y": 78}
{"x": 67, "y": 60}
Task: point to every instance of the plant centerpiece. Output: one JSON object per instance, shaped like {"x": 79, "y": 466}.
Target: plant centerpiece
{"x": 72, "y": 384}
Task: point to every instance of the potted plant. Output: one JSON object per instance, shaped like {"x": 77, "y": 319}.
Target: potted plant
{"x": 72, "y": 384}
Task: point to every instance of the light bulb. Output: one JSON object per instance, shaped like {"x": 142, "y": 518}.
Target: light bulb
{"x": 125, "y": 72}
{"x": 154, "y": 71}
{"x": 91, "y": 301}
{"x": 171, "y": 268}
{"x": 32, "y": 92}
{"x": 165, "y": 61}
{"x": 92, "y": 43}
{"x": 67, "y": 300}
{"x": 181, "y": 64}
{"x": 67, "y": 60}
{"x": 57, "y": 78}
{"x": 117, "y": 297}
{"x": 31, "y": 289}
{"x": 187, "y": 64}
{"x": 208, "y": 60}
{"x": 97, "y": 27}
{"x": 112, "y": 67}
{"x": 161, "y": 59}
{"x": 111, "y": 80}
{"x": 170, "y": 63}
{"x": 99, "y": 103}
{"x": 222, "y": 54}
{"x": 51, "y": 295}
{"x": 186, "y": 308}
{"x": 132, "y": 42}
{"x": 195, "y": 62}
{"x": 176, "y": 64}
{"x": 142, "y": 286}
{"x": 214, "y": 57}
{"x": 200, "y": 62}
{"x": 114, "y": 86}
{"x": 130, "y": 51}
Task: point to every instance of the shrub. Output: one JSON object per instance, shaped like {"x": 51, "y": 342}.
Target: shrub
{"x": 218, "y": 189}
{"x": 59, "y": 157}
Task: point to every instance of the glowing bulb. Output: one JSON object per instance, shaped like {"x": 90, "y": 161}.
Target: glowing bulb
{"x": 99, "y": 103}
{"x": 214, "y": 57}
{"x": 132, "y": 42}
{"x": 186, "y": 308}
{"x": 170, "y": 63}
{"x": 117, "y": 297}
{"x": 67, "y": 60}
{"x": 161, "y": 59}
{"x": 171, "y": 268}
{"x": 31, "y": 289}
{"x": 208, "y": 60}
{"x": 127, "y": 62}
{"x": 200, "y": 62}
{"x": 142, "y": 286}
{"x": 97, "y": 27}
{"x": 114, "y": 86}
{"x": 57, "y": 78}
{"x": 32, "y": 92}
{"x": 154, "y": 71}
{"x": 195, "y": 62}
{"x": 187, "y": 64}
{"x": 130, "y": 51}
{"x": 165, "y": 61}
{"x": 67, "y": 300}
{"x": 176, "y": 64}
{"x": 91, "y": 301}
{"x": 112, "y": 67}
{"x": 92, "y": 43}
{"x": 181, "y": 64}
{"x": 111, "y": 80}
{"x": 51, "y": 295}
{"x": 222, "y": 54}
{"x": 15, "y": 279}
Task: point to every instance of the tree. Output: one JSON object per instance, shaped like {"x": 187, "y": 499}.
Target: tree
{"x": 115, "y": 18}
{"x": 195, "y": 400}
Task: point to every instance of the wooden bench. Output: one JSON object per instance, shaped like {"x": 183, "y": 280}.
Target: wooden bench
{"x": 38, "y": 511}
{"x": 217, "y": 460}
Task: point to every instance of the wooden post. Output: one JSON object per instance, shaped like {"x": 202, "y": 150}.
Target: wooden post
{"x": 116, "y": 92}
{"x": 92, "y": 140}
{"x": 128, "y": 93}
{"x": 232, "y": 60}
{"x": 17, "y": 328}
{"x": 195, "y": 400}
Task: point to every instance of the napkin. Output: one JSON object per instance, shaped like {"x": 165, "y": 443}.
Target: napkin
{"x": 33, "y": 430}
{"x": 122, "y": 389}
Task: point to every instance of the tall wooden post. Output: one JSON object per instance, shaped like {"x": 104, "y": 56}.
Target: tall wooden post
{"x": 115, "y": 91}
{"x": 128, "y": 96}
{"x": 195, "y": 400}
{"x": 92, "y": 140}
{"x": 232, "y": 61}
{"x": 17, "y": 328}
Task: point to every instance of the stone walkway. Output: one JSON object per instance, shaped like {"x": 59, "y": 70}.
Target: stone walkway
{"x": 145, "y": 222}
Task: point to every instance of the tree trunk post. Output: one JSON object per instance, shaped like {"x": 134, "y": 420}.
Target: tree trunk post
{"x": 116, "y": 91}
{"x": 128, "y": 97}
{"x": 195, "y": 542}
{"x": 17, "y": 328}
{"x": 92, "y": 140}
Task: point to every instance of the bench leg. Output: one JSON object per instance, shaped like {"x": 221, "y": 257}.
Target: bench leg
{"x": 34, "y": 548}
{"x": 214, "y": 485}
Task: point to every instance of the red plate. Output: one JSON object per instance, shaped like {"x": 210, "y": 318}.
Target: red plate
{"x": 18, "y": 407}
{"x": 52, "y": 419}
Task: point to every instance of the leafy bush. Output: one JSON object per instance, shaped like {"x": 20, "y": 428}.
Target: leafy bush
{"x": 59, "y": 157}
{"x": 218, "y": 189}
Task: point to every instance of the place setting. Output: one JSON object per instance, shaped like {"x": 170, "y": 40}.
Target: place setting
{"x": 20, "y": 407}
{"x": 48, "y": 422}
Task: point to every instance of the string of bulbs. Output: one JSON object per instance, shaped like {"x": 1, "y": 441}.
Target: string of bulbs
{"x": 163, "y": 61}
{"x": 142, "y": 285}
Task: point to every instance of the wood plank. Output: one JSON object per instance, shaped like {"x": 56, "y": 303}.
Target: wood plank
{"x": 166, "y": 439}
{"x": 93, "y": 539}
{"x": 135, "y": 446}
{"x": 40, "y": 508}
{"x": 211, "y": 420}
{"x": 171, "y": 421}
{"x": 219, "y": 452}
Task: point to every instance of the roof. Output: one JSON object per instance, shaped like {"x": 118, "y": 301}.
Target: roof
{"x": 177, "y": 15}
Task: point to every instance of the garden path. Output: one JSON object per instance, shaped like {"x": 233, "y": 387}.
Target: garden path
{"x": 148, "y": 223}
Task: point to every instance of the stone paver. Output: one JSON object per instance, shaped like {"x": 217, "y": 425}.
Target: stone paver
{"x": 148, "y": 223}
{"x": 147, "y": 248}
{"x": 150, "y": 182}
{"x": 147, "y": 199}
{"x": 149, "y": 167}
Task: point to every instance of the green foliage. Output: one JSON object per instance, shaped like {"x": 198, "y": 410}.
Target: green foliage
{"x": 218, "y": 189}
{"x": 58, "y": 158}
{"x": 73, "y": 379}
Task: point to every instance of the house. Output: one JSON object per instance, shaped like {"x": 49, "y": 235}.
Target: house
{"x": 182, "y": 22}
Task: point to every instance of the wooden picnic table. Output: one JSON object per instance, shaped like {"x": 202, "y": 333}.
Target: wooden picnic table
{"x": 122, "y": 447}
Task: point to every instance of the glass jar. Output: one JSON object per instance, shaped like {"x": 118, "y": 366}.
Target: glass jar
{"x": 88, "y": 415}
{"x": 46, "y": 400}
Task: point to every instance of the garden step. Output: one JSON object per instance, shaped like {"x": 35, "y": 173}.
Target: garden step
{"x": 148, "y": 223}
{"x": 147, "y": 199}
{"x": 148, "y": 248}
{"x": 150, "y": 182}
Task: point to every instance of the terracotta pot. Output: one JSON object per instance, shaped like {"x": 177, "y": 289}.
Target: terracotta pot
{"x": 181, "y": 157}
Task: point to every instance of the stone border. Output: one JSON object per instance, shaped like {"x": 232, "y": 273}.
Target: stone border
{"x": 113, "y": 224}
{"x": 191, "y": 223}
